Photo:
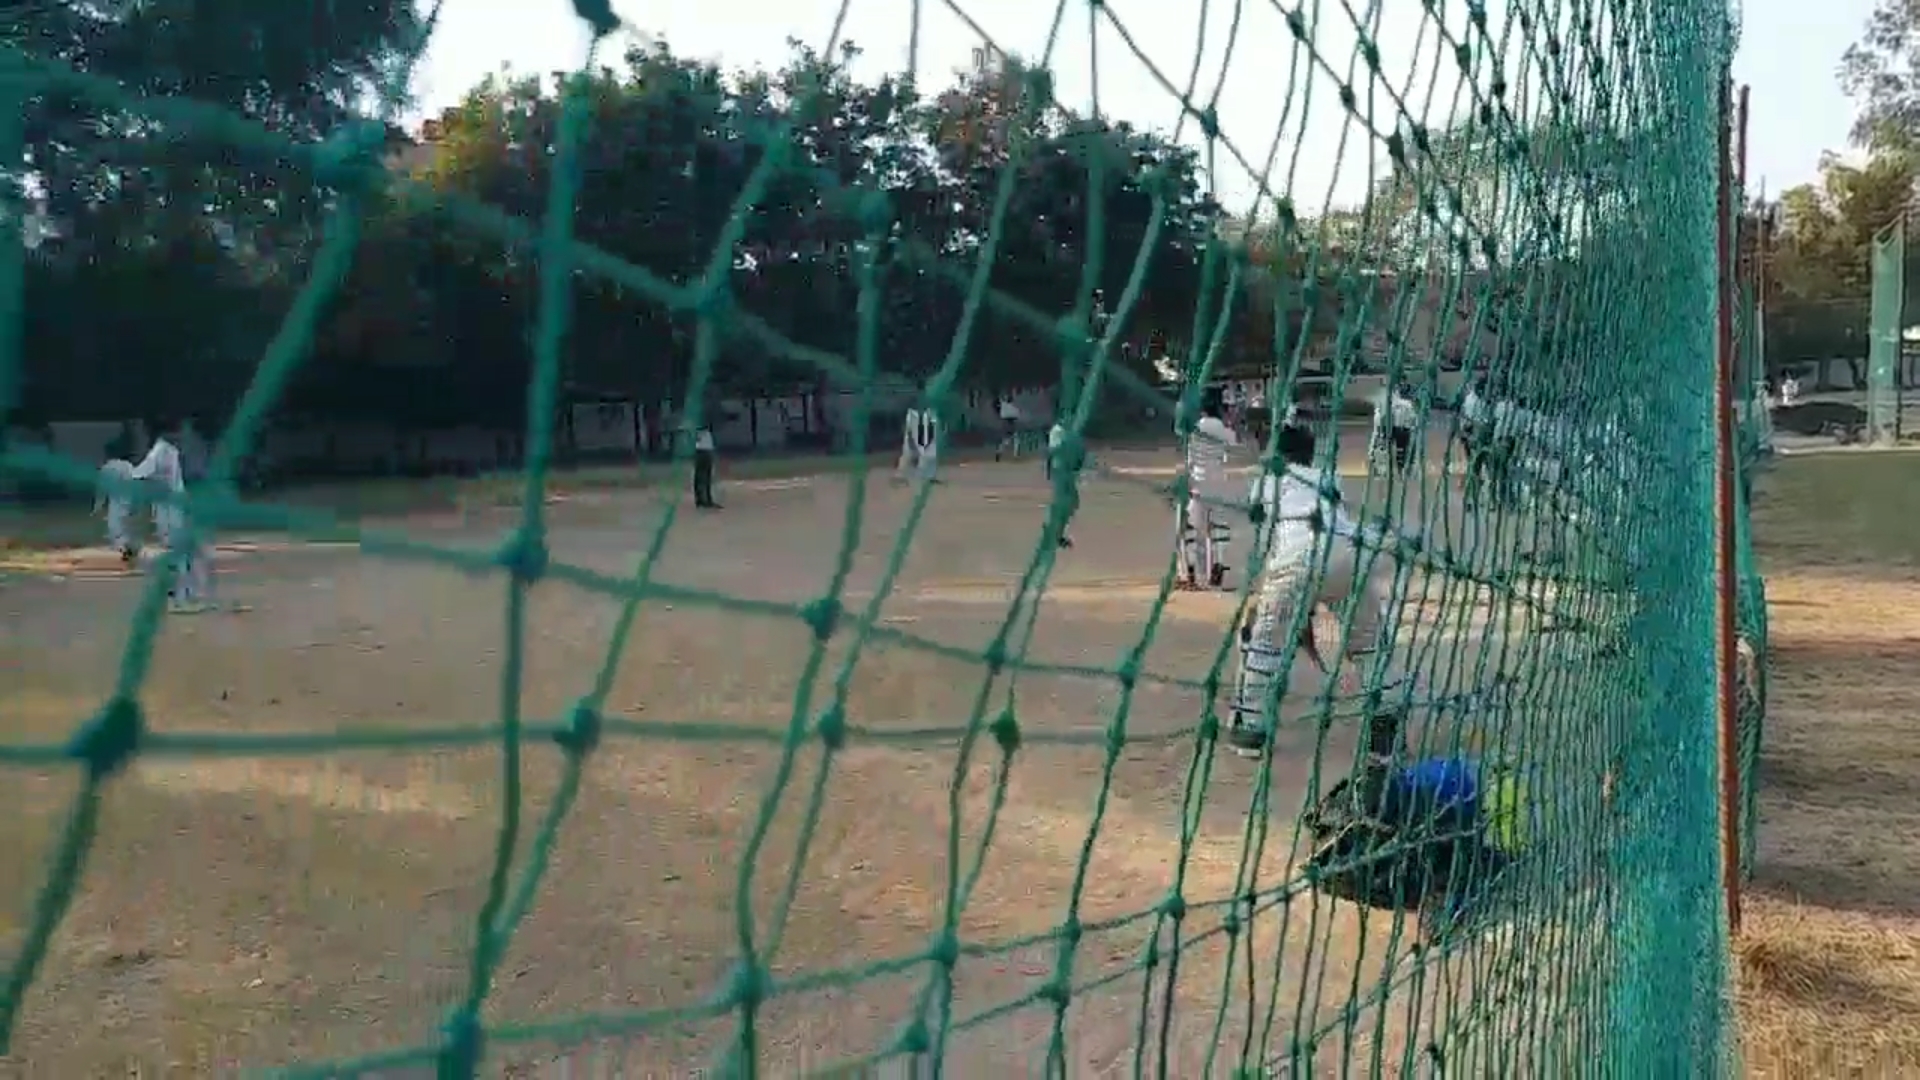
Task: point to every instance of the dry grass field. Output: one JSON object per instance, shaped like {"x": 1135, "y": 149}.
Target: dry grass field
{"x": 244, "y": 911}
{"x": 1830, "y": 957}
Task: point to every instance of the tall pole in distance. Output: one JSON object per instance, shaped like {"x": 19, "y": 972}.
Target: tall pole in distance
{"x": 1725, "y": 523}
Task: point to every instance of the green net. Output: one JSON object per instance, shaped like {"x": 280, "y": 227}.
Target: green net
{"x": 1889, "y": 290}
{"x": 1545, "y": 218}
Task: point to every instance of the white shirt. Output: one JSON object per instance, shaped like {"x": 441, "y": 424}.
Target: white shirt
{"x": 1474, "y": 408}
{"x": 1292, "y": 499}
{"x": 922, "y": 428}
{"x": 1395, "y": 408}
{"x": 1056, "y": 435}
{"x": 1008, "y": 410}
{"x": 1207, "y": 452}
{"x": 703, "y": 439}
{"x": 162, "y": 464}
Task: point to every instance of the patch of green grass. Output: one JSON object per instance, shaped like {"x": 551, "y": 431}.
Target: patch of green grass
{"x": 1819, "y": 509}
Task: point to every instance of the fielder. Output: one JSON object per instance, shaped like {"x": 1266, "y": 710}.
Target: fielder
{"x": 1314, "y": 557}
{"x": 1394, "y": 418}
{"x": 1199, "y": 531}
{"x": 190, "y": 588}
{"x": 113, "y": 499}
{"x": 1056, "y": 436}
{"x": 1009, "y": 413}
{"x": 920, "y": 444}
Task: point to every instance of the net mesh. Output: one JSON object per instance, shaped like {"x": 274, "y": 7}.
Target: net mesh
{"x": 1555, "y": 197}
{"x": 1888, "y": 260}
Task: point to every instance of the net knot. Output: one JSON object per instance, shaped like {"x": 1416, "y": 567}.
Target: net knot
{"x": 1209, "y": 122}
{"x": 1128, "y": 673}
{"x": 583, "y": 729}
{"x": 822, "y": 617}
{"x": 1209, "y": 728}
{"x": 832, "y": 727}
{"x": 914, "y": 1038}
{"x": 1174, "y": 906}
{"x": 599, "y": 15}
{"x": 1039, "y": 87}
{"x": 1285, "y": 216}
{"x": 1397, "y": 149}
{"x": 525, "y": 557}
{"x": 1005, "y": 730}
{"x": 110, "y": 739}
{"x": 746, "y": 986}
{"x": 946, "y": 949}
{"x": 460, "y": 1053}
{"x": 995, "y": 656}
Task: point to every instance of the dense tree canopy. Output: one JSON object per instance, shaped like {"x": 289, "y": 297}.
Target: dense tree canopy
{"x": 186, "y": 248}
{"x": 169, "y": 257}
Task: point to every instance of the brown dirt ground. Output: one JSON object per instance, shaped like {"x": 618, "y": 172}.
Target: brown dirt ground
{"x": 1830, "y": 955}
{"x": 257, "y": 911}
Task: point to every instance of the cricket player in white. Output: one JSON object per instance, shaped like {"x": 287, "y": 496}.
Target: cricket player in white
{"x": 920, "y": 443}
{"x": 1056, "y": 437}
{"x": 1206, "y": 471}
{"x": 1009, "y": 414}
{"x": 1314, "y": 557}
{"x": 190, "y": 590}
{"x": 115, "y": 500}
{"x": 1394, "y": 418}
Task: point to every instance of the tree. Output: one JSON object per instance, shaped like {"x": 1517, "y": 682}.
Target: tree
{"x": 1821, "y": 272}
{"x": 144, "y": 219}
{"x": 1881, "y": 72}
{"x": 877, "y": 183}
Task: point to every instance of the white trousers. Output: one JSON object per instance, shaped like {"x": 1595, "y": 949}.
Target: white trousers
{"x": 1290, "y": 589}
{"x": 191, "y": 570}
{"x": 921, "y": 459}
{"x": 119, "y": 532}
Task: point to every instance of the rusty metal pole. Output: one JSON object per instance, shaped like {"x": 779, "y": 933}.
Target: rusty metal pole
{"x": 1725, "y": 523}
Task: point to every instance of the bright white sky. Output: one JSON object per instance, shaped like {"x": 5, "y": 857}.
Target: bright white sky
{"x": 1798, "y": 108}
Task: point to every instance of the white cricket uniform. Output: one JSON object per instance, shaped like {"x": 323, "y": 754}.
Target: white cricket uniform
{"x": 1304, "y": 520}
{"x": 1009, "y": 428}
{"x": 1394, "y": 410}
{"x": 1473, "y": 408}
{"x": 1394, "y": 418}
{"x": 117, "y": 505}
{"x": 192, "y": 567}
{"x": 1056, "y": 435}
{"x": 1206, "y": 471}
{"x": 920, "y": 443}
